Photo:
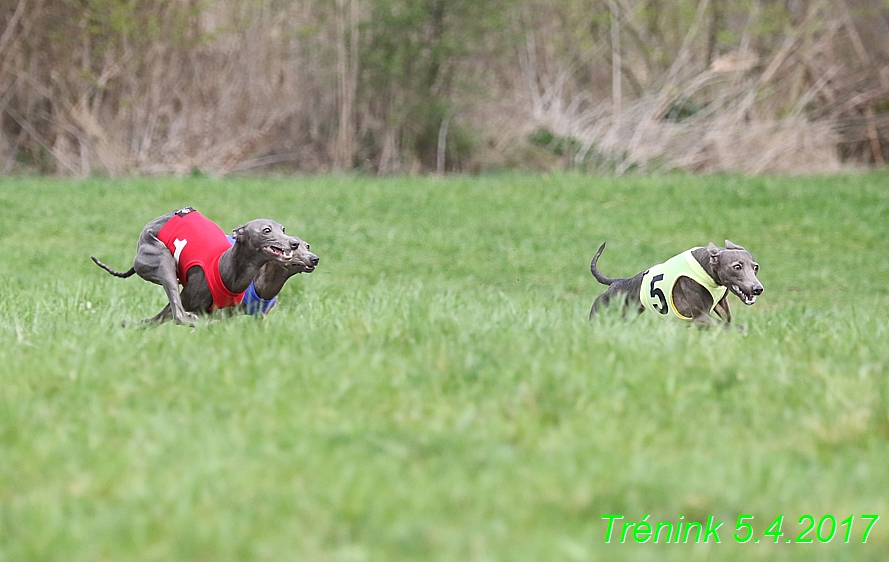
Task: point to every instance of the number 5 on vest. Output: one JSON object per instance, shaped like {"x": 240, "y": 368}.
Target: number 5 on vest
{"x": 656, "y": 292}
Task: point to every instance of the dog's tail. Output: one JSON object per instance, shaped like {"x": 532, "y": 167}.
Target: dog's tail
{"x": 599, "y": 277}
{"x": 122, "y": 275}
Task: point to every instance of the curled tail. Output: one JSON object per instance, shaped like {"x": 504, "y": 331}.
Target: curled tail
{"x": 599, "y": 277}
{"x": 122, "y": 275}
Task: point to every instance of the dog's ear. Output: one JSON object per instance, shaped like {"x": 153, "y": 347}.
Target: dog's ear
{"x": 729, "y": 245}
{"x": 237, "y": 232}
{"x": 714, "y": 253}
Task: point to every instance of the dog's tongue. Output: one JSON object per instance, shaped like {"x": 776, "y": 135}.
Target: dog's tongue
{"x": 285, "y": 254}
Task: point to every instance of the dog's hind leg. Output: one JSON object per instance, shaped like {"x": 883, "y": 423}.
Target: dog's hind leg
{"x": 601, "y": 300}
{"x": 160, "y": 317}
{"x": 155, "y": 263}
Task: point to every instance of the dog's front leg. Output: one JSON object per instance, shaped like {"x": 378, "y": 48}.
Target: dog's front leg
{"x": 692, "y": 300}
{"x": 702, "y": 319}
{"x": 724, "y": 311}
{"x": 196, "y": 295}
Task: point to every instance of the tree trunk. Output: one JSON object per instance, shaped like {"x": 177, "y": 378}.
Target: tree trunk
{"x": 616, "y": 71}
{"x": 347, "y": 82}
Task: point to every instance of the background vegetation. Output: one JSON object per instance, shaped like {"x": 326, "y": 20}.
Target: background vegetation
{"x": 167, "y": 86}
{"x": 434, "y": 390}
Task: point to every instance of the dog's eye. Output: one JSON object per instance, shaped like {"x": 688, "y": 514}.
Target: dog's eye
{"x": 308, "y": 247}
{"x": 738, "y": 267}
{"x": 267, "y": 230}
{"x": 756, "y": 268}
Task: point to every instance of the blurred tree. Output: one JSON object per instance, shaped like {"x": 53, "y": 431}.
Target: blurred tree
{"x": 166, "y": 86}
{"x": 410, "y": 63}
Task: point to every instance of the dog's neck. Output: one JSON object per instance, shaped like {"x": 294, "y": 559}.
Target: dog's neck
{"x": 237, "y": 267}
{"x": 270, "y": 280}
{"x": 702, "y": 256}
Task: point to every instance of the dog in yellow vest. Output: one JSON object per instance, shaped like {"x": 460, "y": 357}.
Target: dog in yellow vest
{"x": 691, "y": 286}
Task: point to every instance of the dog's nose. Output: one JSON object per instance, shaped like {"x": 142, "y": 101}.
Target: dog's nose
{"x": 316, "y": 259}
{"x": 758, "y": 290}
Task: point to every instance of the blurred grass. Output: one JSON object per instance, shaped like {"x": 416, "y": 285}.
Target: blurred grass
{"x": 433, "y": 391}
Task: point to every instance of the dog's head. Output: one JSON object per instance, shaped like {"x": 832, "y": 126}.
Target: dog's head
{"x": 303, "y": 261}
{"x": 273, "y": 275}
{"x": 266, "y": 236}
{"x": 735, "y": 268}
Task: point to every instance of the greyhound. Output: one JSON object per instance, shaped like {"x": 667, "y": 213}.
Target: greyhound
{"x": 690, "y": 286}
{"x": 262, "y": 294}
{"x": 184, "y": 247}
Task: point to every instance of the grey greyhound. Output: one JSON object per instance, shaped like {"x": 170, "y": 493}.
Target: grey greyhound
{"x": 690, "y": 286}
{"x": 185, "y": 247}
{"x": 262, "y": 294}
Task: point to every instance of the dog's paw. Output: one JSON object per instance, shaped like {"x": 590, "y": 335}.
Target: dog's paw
{"x": 189, "y": 319}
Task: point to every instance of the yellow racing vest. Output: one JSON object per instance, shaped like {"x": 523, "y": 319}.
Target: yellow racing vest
{"x": 656, "y": 292}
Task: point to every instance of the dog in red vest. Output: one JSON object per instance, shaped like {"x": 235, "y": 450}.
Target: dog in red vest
{"x": 184, "y": 247}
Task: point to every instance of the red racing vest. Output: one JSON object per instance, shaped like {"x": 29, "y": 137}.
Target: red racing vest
{"x": 195, "y": 240}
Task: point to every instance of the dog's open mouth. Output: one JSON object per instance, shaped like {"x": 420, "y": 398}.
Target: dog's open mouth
{"x": 745, "y": 298}
{"x": 283, "y": 255}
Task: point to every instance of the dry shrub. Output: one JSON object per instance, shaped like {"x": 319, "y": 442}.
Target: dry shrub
{"x": 806, "y": 99}
{"x": 726, "y": 142}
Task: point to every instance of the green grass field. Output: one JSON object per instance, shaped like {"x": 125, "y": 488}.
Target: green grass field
{"x": 434, "y": 390}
